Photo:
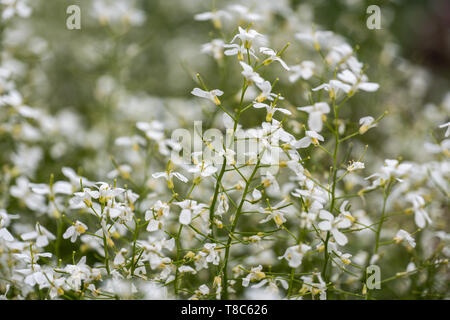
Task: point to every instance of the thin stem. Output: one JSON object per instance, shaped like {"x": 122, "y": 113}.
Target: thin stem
{"x": 230, "y": 235}
{"x": 216, "y": 193}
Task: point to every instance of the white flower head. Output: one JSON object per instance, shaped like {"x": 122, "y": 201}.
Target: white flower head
{"x": 310, "y": 137}
{"x": 77, "y": 229}
{"x": 355, "y": 165}
{"x": 216, "y": 16}
{"x": 210, "y": 95}
{"x": 334, "y": 87}
{"x": 317, "y": 114}
{"x": 249, "y": 37}
{"x": 366, "y": 123}
{"x": 403, "y": 235}
{"x": 249, "y": 74}
{"x": 357, "y": 83}
{"x": 304, "y": 70}
{"x": 333, "y": 224}
{"x": 273, "y": 56}
{"x": 294, "y": 254}
{"x": 255, "y": 274}
{"x": 271, "y": 109}
{"x": 189, "y": 209}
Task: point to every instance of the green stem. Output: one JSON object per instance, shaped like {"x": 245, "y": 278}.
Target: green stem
{"x": 385, "y": 197}
{"x": 177, "y": 258}
{"x": 333, "y": 189}
{"x": 216, "y": 193}
{"x": 230, "y": 235}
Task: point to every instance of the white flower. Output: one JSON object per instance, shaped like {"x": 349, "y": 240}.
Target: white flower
{"x": 215, "y": 47}
{"x": 270, "y": 110}
{"x": 159, "y": 209}
{"x": 229, "y": 155}
{"x": 41, "y": 234}
{"x": 21, "y": 190}
{"x": 248, "y": 37}
{"x": 316, "y": 115}
{"x": 355, "y": 165}
{"x": 391, "y": 169}
{"x": 294, "y": 254}
{"x": 411, "y": 267}
{"x": 244, "y": 13}
{"x": 255, "y": 274}
{"x": 61, "y": 187}
{"x": 134, "y": 141}
{"x": 106, "y": 192}
{"x": 333, "y": 224}
{"x": 266, "y": 92}
{"x": 270, "y": 183}
{"x": 421, "y": 217}
{"x": 208, "y": 254}
{"x": 317, "y": 196}
{"x": 84, "y": 197}
{"x": 212, "y": 254}
{"x": 119, "y": 259}
{"x": 210, "y": 95}
{"x": 123, "y": 171}
{"x": 270, "y": 292}
{"x": 316, "y": 38}
{"x": 6, "y": 235}
{"x": 256, "y": 195}
{"x": 202, "y": 167}
{"x": 404, "y": 235}
{"x": 249, "y": 74}
{"x": 168, "y": 175}
{"x": 307, "y": 219}
{"x": 189, "y": 208}
{"x": 122, "y": 11}
{"x": 344, "y": 258}
{"x": 276, "y": 213}
{"x": 223, "y": 205}
{"x": 215, "y": 16}
{"x": 366, "y": 123}
{"x": 343, "y": 55}
{"x": 239, "y": 50}
{"x": 203, "y": 290}
{"x": 360, "y": 82}
{"x": 78, "y": 273}
{"x": 75, "y": 230}
{"x": 345, "y": 213}
{"x": 75, "y": 179}
{"x": 153, "y": 130}
{"x": 315, "y": 288}
{"x": 304, "y": 70}
{"x": 334, "y": 87}
{"x": 310, "y": 137}
{"x": 273, "y": 56}
{"x": 185, "y": 269}
{"x": 4, "y": 222}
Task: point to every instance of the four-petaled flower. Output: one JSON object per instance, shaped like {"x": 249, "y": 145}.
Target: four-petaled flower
{"x": 294, "y": 254}
{"x": 189, "y": 208}
{"x": 316, "y": 115}
{"x": 333, "y": 224}
{"x": 77, "y": 229}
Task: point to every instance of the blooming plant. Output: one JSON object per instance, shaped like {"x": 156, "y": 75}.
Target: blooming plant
{"x": 276, "y": 192}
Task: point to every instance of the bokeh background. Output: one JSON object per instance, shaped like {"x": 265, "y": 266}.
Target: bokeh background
{"x": 147, "y": 65}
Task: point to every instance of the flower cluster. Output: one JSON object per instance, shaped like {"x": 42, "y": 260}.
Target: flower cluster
{"x": 295, "y": 203}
